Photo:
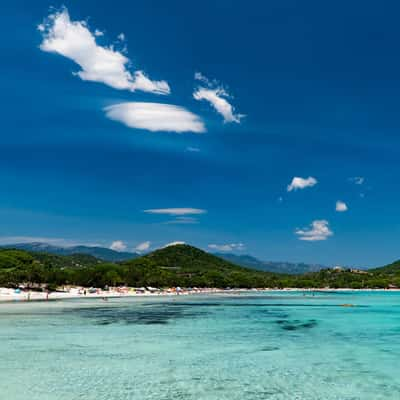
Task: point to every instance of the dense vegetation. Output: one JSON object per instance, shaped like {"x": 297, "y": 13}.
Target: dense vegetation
{"x": 179, "y": 265}
{"x": 390, "y": 269}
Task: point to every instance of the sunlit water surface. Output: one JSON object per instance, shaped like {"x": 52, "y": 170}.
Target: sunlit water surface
{"x": 254, "y": 346}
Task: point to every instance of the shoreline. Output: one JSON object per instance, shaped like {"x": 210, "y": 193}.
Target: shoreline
{"x": 11, "y": 296}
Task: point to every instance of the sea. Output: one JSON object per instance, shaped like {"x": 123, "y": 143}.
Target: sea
{"x": 271, "y": 345}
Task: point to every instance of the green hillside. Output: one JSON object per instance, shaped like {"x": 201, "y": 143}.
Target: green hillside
{"x": 184, "y": 265}
{"x": 390, "y": 269}
{"x": 17, "y": 266}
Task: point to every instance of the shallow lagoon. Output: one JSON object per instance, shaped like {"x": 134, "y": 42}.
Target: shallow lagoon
{"x": 250, "y": 346}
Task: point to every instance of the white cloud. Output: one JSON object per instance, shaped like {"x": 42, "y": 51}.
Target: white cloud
{"x": 192, "y": 149}
{"x": 358, "y": 180}
{"x": 198, "y": 76}
{"x": 217, "y": 96}
{"x": 118, "y": 245}
{"x": 227, "y": 247}
{"x": 341, "y": 206}
{"x": 173, "y": 244}
{"x": 74, "y": 40}
{"x": 155, "y": 117}
{"x": 144, "y": 246}
{"x": 318, "y": 230}
{"x": 176, "y": 211}
{"x": 301, "y": 183}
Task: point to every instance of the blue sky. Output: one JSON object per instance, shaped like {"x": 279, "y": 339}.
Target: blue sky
{"x": 110, "y": 139}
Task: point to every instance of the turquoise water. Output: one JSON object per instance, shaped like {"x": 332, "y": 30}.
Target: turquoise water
{"x": 275, "y": 346}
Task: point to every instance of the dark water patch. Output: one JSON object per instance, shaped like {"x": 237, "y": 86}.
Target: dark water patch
{"x": 295, "y": 325}
{"x": 310, "y": 324}
{"x": 271, "y": 313}
{"x": 141, "y": 315}
{"x": 269, "y": 348}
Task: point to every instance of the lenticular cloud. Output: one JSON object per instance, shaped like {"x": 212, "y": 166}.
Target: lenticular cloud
{"x": 155, "y": 117}
{"x": 74, "y": 40}
{"x": 216, "y": 95}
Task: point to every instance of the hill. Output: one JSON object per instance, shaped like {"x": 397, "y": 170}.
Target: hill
{"x": 101, "y": 253}
{"x": 18, "y": 266}
{"x": 184, "y": 265}
{"x": 271, "y": 266}
{"x": 14, "y": 258}
{"x": 391, "y": 269}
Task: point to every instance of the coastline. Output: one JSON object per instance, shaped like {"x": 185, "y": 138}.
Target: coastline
{"x": 11, "y": 296}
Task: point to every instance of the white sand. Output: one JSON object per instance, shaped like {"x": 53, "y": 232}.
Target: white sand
{"x": 12, "y": 295}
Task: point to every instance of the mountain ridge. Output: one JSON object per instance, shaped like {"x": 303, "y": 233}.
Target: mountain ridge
{"x": 282, "y": 267}
{"x": 99, "y": 252}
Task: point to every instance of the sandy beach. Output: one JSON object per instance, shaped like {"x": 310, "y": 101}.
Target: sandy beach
{"x": 12, "y": 295}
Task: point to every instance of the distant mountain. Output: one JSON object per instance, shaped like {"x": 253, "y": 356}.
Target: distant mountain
{"x": 271, "y": 266}
{"x": 101, "y": 253}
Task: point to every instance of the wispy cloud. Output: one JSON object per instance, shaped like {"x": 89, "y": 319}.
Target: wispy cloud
{"x": 227, "y": 247}
{"x": 192, "y": 149}
{"x": 118, "y": 245}
{"x": 358, "y": 180}
{"x": 155, "y": 117}
{"x": 301, "y": 183}
{"x": 176, "y": 211}
{"x": 318, "y": 230}
{"x": 341, "y": 206}
{"x": 216, "y": 95}
{"x": 144, "y": 246}
{"x": 105, "y": 64}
